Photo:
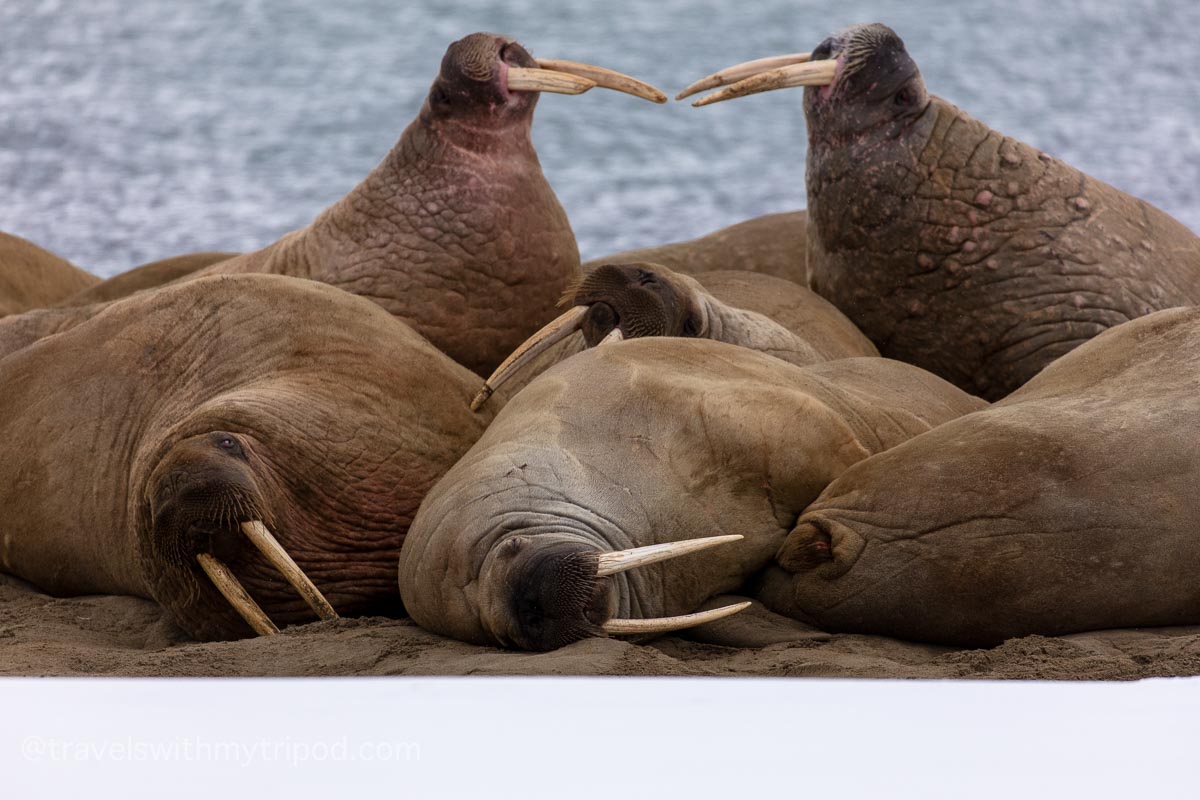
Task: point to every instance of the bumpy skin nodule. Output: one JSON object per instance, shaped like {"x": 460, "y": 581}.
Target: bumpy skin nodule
{"x": 962, "y": 250}
{"x": 1069, "y": 506}
{"x": 647, "y": 441}
{"x": 774, "y": 244}
{"x": 31, "y": 277}
{"x": 457, "y": 231}
{"x": 142, "y": 433}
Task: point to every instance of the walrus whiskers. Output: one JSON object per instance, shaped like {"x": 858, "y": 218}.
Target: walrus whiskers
{"x": 668, "y": 624}
{"x": 812, "y": 73}
{"x": 622, "y": 560}
{"x": 552, "y": 333}
{"x": 270, "y": 547}
{"x": 746, "y": 69}
{"x": 238, "y": 597}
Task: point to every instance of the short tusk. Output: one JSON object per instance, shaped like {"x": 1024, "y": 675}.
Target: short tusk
{"x": 614, "y": 335}
{"x": 744, "y": 70}
{"x": 605, "y": 78}
{"x": 551, "y": 334}
{"x": 621, "y": 560}
{"x": 546, "y": 80}
{"x": 668, "y": 624}
{"x": 270, "y": 547}
{"x": 237, "y": 596}
{"x": 813, "y": 73}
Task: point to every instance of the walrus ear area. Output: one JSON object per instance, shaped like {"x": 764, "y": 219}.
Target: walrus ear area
{"x": 556, "y": 597}
{"x": 806, "y": 547}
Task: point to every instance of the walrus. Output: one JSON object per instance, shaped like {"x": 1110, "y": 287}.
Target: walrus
{"x": 146, "y": 276}
{"x": 32, "y": 277}
{"x": 158, "y": 446}
{"x": 456, "y": 231}
{"x": 774, "y": 244}
{"x": 618, "y": 301}
{"x": 627, "y": 454}
{"x": 1069, "y": 506}
{"x": 951, "y": 245}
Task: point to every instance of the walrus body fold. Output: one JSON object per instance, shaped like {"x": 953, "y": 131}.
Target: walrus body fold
{"x": 31, "y": 277}
{"x": 774, "y": 244}
{"x": 140, "y": 435}
{"x": 640, "y": 443}
{"x": 1069, "y": 506}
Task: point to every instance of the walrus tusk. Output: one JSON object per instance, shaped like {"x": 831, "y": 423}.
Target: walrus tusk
{"x": 546, "y": 80}
{"x": 552, "y": 333}
{"x": 622, "y": 560}
{"x": 614, "y": 335}
{"x": 746, "y": 69}
{"x": 237, "y": 596}
{"x": 270, "y": 547}
{"x": 605, "y": 78}
{"x": 668, "y": 624}
{"x": 812, "y": 73}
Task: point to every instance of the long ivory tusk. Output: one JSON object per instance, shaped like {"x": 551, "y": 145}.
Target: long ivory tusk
{"x": 552, "y": 333}
{"x": 545, "y": 80}
{"x": 270, "y": 547}
{"x": 621, "y": 560}
{"x": 746, "y": 69}
{"x": 606, "y": 78}
{"x": 668, "y": 624}
{"x": 237, "y": 596}
{"x": 614, "y": 335}
{"x": 814, "y": 73}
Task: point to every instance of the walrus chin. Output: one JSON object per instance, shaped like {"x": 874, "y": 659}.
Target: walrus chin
{"x": 611, "y": 303}
{"x": 201, "y": 510}
{"x": 543, "y": 597}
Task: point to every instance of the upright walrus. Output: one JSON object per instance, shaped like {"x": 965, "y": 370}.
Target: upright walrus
{"x": 457, "y": 231}
{"x": 1069, "y": 506}
{"x": 32, "y": 277}
{"x": 625, "y": 455}
{"x": 952, "y": 246}
{"x": 153, "y": 446}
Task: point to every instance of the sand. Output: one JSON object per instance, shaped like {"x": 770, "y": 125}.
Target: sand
{"x": 127, "y": 636}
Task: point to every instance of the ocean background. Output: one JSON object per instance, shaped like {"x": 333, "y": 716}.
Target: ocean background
{"x": 135, "y": 131}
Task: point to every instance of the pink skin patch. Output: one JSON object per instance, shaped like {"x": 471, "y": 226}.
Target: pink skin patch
{"x": 827, "y": 91}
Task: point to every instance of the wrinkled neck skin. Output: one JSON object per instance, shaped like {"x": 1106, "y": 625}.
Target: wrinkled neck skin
{"x": 749, "y": 329}
{"x": 976, "y": 256}
{"x": 457, "y": 232}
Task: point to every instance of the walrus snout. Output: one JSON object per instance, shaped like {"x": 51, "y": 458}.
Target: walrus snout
{"x": 640, "y": 299}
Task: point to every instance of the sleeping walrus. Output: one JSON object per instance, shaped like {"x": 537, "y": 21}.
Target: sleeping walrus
{"x": 457, "y": 231}
{"x": 952, "y": 246}
{"x": 31, "y": 277}
{"x": 1069, "y": 506}
{"x": 643, "y": 450}
{"x": 153, "y": 446}
{"x": 626, "y": 301}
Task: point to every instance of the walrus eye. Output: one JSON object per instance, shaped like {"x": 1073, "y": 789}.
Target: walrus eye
{"x": 646, "y": 278}
{"x": 691, "y": 328}
{"x": 904, "y": 97}
{"x": 229, "y": 444}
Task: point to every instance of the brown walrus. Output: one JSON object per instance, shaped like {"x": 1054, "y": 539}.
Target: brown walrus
{"x": 146, "y": 276}
{"x": 774, "y": 244}
{"x": 1069, "y": 506}
{"x": 626, "y": 301}
{"x": 952, "y": 246}
{"x": 154, "y": 443}
{"x": 31, "y": 277}
{"x": 643, "y": 443}
{"x": 457, "y": 231}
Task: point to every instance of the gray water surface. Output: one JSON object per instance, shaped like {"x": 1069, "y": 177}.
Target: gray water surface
{"x": 135, "y": 131}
